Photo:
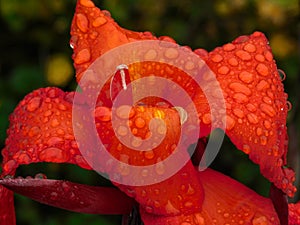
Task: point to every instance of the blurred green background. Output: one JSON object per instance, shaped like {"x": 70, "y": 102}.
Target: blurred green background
{"x": 35, "y": 53}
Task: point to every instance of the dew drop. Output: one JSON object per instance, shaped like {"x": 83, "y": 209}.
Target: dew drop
{"x": 230, "y": 123}
{"x": 82, "y": 56}
{"x": 53, "y": 154}
{"x": 34, "y": 131}
{"x": 125, "y": 112}
{"x": 87, "y": 3}
{"x": 259, "y": 131}
{"x": 262, "y": 220}
{"x": 252, "y": 118}
{"x": 149, "y": 209}
{"x": 259, "y": 58}
{"x": 268, "y": 56}
{"x": 223, "y": 70}
{"x": 206, "y": 118}
{"x": 102, "y": 113}
{"x": 238, "y": 112}
{"x": 243, "y": 55}
{"x": 34, "y": 104}
{"x": 150, "y": 54}
{"x": 267, "y": 100}
{"x": 40, "y": 176}
{"x": 263, "y": 140}
{"x": 262, "y": 69}
{"x": 240, "y": 98}
{"x": 160, "y": 168}
{"x": 240, "y": 88}
{"x": 122, "y": 130}
{"x": 228, "y": 47}
{"x": 251, "y": 107}
{"x": 99, "y": 21}
{"x": 216, "y": 58}
{"x": 82, "y": 22}
{"x": 246, "y": 149}
{"x": 189, "y": 65}
{"x": 233, "y": 62}
{"x": 139, "y": 122}
{"x": 55, "y": 123}
{"x": 246, "y": 77}
{"x": 171, "y": 53}
{"x": 250, "y": 47}
{"x": 268, "y": 109}
{"x": 289, "y": 105}
{"x": 136, "y": 142}
{"x": 262, "y": 85}
{"x": 149, "y": 154}
{"x": 282, "y": 74}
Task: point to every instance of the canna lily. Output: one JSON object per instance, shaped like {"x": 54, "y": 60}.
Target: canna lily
{"x": 41, "y": 130}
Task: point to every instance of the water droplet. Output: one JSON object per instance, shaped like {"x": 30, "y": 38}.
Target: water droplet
{"x": 188, "y": 204}
{"x": 230, "y": 122}
{"x": 246, "y": 77}
{"x": 262, "y": 69}
{"x": 216, "y": 58}
{"x": 246, "y": 149}
{"x": 240, "y": 98}
{"x": 82, "y": 22}
{"x": 34, "y": 104}
{"x": 149, "y": 209}
{"x": 251, "y": 107}
{"x": 34, "y": 131}
{"x": 206, "y": 118}
{"x": 189, "y": 65}
{"x": 228, "y": 47}
{"x": 240, "y": 88}
{"x": 122, "y": 130}
{"x": 289, "y": 105}
{"x": 53, "y": 154}
{"x": 136, "y": 142}
{"x": 139, "y": 122}
{"x": 243, "y": 55}
{"x": 53, "y": 195}
{"x": 263, "y": 140}
{"x": 262, "y": 85}
{"x": 226, "y": 215}
{"x": 99, "y": 21}
{"x": 87, "y": 3}
{"x": 102, "y": 113}
{"x": 268, "y": 56}
{"x": 259, "y": 58}
{"x": 250, "y": 47}
{"x": 259, "y": 131}
{"x": 233, "y": 62}
{"x": 55, "y": 123}
{"x": 150, "y": 54}
{"x": 82, "y": 56}
{"x": 160, "y": 168}
{"x": 268, "y": 109}
{"x": 149, "y": 154}
{"x": 171, "y": 53}
{"x": 267, "y": 100}
{"x": 282, "y": 74}
{"x": 262, "y": 220}
{"x": 238, "y": 112}
{"x": 223, "y": 70}
{"x": 267, "y": 124}
{"x": 125, "y": 112}
{"x": 40, "y": 176}
{"x": 252, "y": 118}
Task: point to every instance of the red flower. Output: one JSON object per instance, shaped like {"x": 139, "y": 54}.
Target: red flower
{"x": 42, "y": 130}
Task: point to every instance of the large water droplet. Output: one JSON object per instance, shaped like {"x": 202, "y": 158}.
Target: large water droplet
{"x": 150, "y": 54}
{"x": 40, "y": 176}
{"x": 216, "y": 58}
{"x": 262, "y": 220}
{"x": 246, "y": 77}
{"x": 250, "y": 48}
{"x": 171, "y": 53}
{"x": 82, "y": 22}
{"x": 87, "y": 3}
{"x": 262, "y": 85}
{"x": 34, "y": 104}
{"x": 240, "y": 98}
{"x": 252, "y": 118}
{"x": 268, "y": 109}
{"x": 102, "y": 113}
{"x": 99, "y": 21}
{"x": 82, "y": 56}
{"x": 53, "y": 154}
{"x": 243, "y": 55}
{"x": 139, "y": 122}
{"x": 240, "y": 88}
{"x": 262, "y": 69}
{"x": 34, "y": 131}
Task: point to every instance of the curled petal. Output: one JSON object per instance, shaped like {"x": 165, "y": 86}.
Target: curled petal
{"x": 256, "y": 104}
{"x": 41, "y": 131}
{"x": 226, "y": 202}
{"x": 72, "y": 196}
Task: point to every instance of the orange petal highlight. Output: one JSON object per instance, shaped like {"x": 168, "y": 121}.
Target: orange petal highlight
{"x": 41, "y": 130}
{"x": 226, "y": 202}
{"x": 256, "y": 104}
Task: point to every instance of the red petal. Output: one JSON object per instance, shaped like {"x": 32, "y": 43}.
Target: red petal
{"x": 41, "y": 131}
{"x": 72, "y": 196}
{"x": 294, "y": 213}
{"x": 226, "y": 202}
{"x": 161, "y": 197}
{"x": 7, "y": 210}
{"x": 256, "y": 104}
{"x": 280, "y": 203}
{"x": 94, "y": 32}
